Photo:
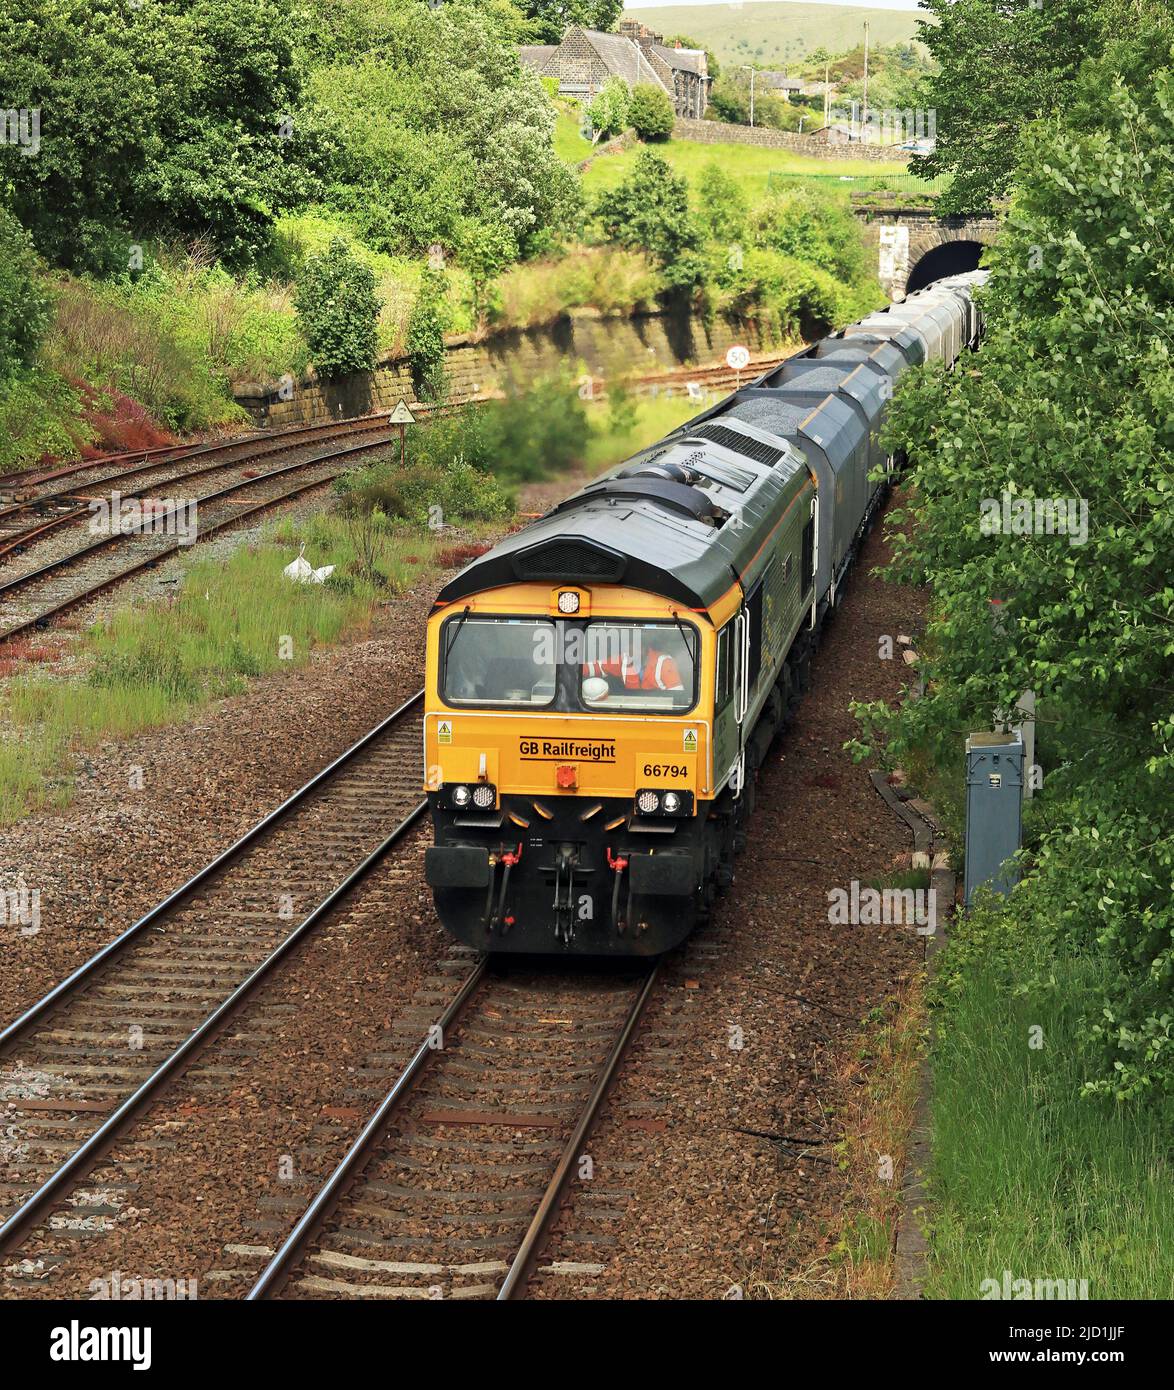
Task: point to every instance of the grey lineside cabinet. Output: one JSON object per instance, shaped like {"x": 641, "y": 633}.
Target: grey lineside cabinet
{"x": 994, "y": 810}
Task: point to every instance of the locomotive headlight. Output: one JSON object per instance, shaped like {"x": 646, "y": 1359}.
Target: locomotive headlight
{"x": 648, "y": 803}
{"x": 672, "y": 803}
{"x": 460, "y": 796}
{"x": 483, "y": 796}
{"x": 568, "y": 601}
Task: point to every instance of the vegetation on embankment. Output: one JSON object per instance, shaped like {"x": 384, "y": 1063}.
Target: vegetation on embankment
{"x": 239, "y": 617}
{"x": 369, "y": 214}
{"x": 1053, "y": 1058}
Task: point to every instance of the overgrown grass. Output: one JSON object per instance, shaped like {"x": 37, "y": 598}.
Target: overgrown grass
{"x": 232, "y": 620}
{"x": 1028, "y": 1176}
{"x": 40, "y": 413}
{"x": 607, "y": 278}
{"x": 749, "y": 165}
{"x": 569, "y": 145}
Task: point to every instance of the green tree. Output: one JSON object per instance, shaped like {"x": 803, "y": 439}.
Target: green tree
{"x": 1072, "y": 398}
{"x": 549, "y": 19}
{"x": 435, "y": 124}
{"x": 649, "y": 211}
{"x": 1003, "y": 64}
{"x": 610, "y": 111}
{"x": 425, "y": 336}
{"x": 337, "y": 310}
{"x": 651, "y": 112}
{"x": 723, "y": 205}
{"x": 157, "y": 118}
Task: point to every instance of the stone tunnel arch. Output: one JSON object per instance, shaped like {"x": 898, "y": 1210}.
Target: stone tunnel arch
{"x": 948, "y": 258}
{"x": 914, "y": 246}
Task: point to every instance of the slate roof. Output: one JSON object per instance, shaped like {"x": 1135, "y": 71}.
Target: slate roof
{"x": 622, "y": 57}
{"x": 687, "y": 59}
{"x": 537, "y": 55}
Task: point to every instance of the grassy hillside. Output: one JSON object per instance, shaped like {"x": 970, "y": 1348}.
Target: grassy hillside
{"x": 777, "y": 31}
{"x": 749, "y": 165}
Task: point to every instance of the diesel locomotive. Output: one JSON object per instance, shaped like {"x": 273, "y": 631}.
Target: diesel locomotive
{"x": 603, "y": 686}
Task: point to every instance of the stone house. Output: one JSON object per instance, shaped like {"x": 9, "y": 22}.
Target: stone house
{"x": 586, "y": 58}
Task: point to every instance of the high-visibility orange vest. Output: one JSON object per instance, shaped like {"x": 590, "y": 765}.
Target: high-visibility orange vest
{"x": 660, "y": 672}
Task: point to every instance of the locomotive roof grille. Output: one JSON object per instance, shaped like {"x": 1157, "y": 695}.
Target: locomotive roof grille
{"x": 740, "y": 443}
{"x": 565, "y": 561}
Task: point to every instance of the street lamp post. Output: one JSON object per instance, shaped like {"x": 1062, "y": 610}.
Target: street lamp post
{"x": 747, "y": 68}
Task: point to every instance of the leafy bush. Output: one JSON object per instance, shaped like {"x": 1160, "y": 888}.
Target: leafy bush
{"x": 815, "y": 228}
{"x": 425, "y": 337}
{"x": 39, "y": 414}
{"x": 26, "y": 307}
{"x": 649, "y": 211}
{"x": 723, "y": 206}
{"x": 426, "y": 494}
{"x": 166, "y": 120}
{"x": 539, "y": 431}
{"x": 121, "y": 336}
{"x": 611, "y": 279}
{"x": 337, "y": 309}
{"x": 651, "y": 112}
{"x": 1061, "y": 407}
{"x": 432, "y": 123}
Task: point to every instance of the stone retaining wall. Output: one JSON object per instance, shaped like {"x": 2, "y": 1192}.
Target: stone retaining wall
{"x": 815, "y": 147}
{"x": 581, "y": 343}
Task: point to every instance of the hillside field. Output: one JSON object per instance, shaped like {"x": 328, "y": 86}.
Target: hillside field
{"x": 778, "y": 31}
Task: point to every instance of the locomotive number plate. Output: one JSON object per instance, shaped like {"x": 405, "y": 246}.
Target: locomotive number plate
{"x": 665, "y": 770}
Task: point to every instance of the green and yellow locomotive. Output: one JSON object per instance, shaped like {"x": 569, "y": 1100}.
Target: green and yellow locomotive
{"x": 603, "y": 686}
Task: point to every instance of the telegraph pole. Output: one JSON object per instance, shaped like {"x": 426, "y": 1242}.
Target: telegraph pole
{"x": 864, "y": 113}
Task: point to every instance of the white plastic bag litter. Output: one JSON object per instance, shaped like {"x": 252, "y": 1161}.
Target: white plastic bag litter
{"x": 302, "y": 572}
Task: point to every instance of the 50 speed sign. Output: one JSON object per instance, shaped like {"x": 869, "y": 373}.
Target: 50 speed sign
{"x": 737, "y": 358}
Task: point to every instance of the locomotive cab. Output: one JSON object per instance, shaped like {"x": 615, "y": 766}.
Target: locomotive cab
{"x": 569, "y": 746}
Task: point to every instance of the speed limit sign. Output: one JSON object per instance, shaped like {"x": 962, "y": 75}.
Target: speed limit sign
{"x": 737, "y": 358}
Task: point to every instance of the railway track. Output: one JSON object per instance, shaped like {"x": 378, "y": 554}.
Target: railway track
{"x": 79, "y": 1066}
{"x": 32, "y": 598}
{"x": 438, "y": 1197}
{"x": 42, "y": 509}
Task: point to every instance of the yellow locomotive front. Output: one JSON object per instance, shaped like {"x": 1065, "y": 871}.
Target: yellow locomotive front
{"x": 568, "y": 742}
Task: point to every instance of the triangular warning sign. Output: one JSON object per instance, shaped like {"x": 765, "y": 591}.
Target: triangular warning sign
{"x": 690, "y": 740}
{"x": 401, "y": 415}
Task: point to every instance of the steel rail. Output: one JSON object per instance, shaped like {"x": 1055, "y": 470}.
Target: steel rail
{"x": 156, "y": 556}
{"x": 36, "y": 1206}
{"x": 20, "y": 1026}
{"x": 279, "y": 441}
{"x": 31, "y": 477}
{"x": 278, "y": 444}
{"x": 350, "y": 1169}
{"x": 275, "y": 1274}
{"x": 520, "y": 1270}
